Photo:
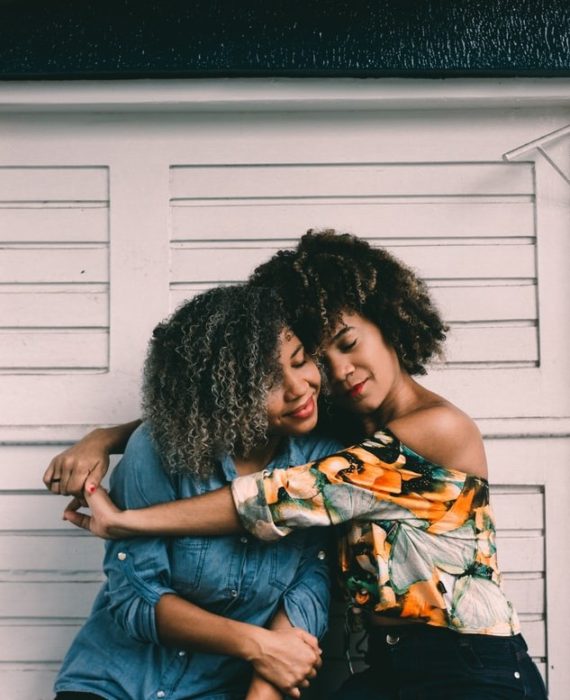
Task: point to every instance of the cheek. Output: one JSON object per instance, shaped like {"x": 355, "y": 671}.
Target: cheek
{"x": 273, "y": 407}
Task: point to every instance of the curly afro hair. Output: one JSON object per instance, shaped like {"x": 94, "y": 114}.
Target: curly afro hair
{"x": 329, "y": 273}
{"x": 208, "y": 370}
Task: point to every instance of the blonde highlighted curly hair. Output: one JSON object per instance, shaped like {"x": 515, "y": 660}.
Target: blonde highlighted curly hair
{"x": 208, "y": 371}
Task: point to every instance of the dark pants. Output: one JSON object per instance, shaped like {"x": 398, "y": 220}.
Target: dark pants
{"x": 438, "y": 664}
{"x": 67, "y": 695}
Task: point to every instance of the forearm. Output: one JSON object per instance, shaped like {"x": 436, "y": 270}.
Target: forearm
{"x": 213, "y": 513}
{"x": 285, "y": 657}
{"x": 114, "y": 439}
{"x": 259, "y": 688}
{"x": 184, "y": 625}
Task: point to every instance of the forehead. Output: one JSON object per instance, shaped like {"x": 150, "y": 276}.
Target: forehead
{"x": 288, "y": 340}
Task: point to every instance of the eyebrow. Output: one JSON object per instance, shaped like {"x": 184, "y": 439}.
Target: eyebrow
{"x": 342, "y": 331}
{"x": 299, "y": 347}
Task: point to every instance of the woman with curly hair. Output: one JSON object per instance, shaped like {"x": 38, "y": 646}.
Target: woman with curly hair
{"x": 228, "y": 390}
{"x": 418, "y": 562}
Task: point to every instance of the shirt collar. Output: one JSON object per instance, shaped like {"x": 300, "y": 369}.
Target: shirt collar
{"x": 289, "y": 454}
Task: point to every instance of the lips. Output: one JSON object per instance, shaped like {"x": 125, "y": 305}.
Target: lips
{"x": 356, "y": 390}
{"x": 304, "y": 411}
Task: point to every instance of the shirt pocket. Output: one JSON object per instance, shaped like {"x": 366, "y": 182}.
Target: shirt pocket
{"x": 188, "y": 560}
{"x": 284, "y": 561}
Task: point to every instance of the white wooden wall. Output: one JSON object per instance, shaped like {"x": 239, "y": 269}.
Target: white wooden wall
{"x": 117, "y": 202}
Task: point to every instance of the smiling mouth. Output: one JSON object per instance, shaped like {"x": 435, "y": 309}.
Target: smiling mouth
{"x": 356, "y": 390}
{"x": 304, "y": 411}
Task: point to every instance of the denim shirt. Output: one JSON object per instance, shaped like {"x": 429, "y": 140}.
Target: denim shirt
{"x": 117, "y": 653}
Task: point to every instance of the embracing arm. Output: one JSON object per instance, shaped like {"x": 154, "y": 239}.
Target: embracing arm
{"x": 89, "y": 458}
{"x": 212, "y": 513}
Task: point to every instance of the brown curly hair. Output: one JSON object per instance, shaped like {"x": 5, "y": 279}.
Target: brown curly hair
{"x": 208, "y": 370}
{"x": 330, "y": 272}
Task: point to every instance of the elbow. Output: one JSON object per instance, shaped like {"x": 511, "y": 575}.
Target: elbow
{"x": 137, "y": 619}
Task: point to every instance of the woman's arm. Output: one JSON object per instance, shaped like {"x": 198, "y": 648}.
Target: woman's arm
{"x": 261, "y": 689}
{"x": 88, "y": 458}
{"x": 212, "y": 513}
{"x": 282, "y": 657}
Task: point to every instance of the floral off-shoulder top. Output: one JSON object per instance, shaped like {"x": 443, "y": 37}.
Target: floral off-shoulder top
{"x": 421, "y": 541}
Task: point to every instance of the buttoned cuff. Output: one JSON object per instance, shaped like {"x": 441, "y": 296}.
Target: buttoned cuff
{"x": 248, "y": 493}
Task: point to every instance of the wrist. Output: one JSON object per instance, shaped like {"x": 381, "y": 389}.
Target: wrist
{"x": 102, "y": 438}
{"x": 250, "y": 642}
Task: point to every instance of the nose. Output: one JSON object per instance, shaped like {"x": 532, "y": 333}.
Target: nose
{"x": 295, "y": 384}
{"x": 339, "y": 367}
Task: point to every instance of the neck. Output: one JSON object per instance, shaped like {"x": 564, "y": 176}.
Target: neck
{"x": 404, "y": 397}
{"x": 259, "y": 457}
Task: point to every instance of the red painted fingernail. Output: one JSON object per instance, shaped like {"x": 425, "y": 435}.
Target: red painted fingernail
{"x": 91, "y": 488}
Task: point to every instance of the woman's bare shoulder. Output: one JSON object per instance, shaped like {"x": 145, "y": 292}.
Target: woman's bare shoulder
{"x": 445, "y": 435}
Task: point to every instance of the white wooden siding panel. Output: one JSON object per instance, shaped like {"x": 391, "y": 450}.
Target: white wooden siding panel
{"x": 492, "y": 344}
{"x": 523, "y": 552}
{"x": 53, "y": 184}
{"x": 470, "y": 302}
{"x": 51, "y": 224}
{"x": 65, "y": 551}
{"x": 28, "y": 682}
{"x": 53, "y": 349}
{"x": 486, "y": 303}
{"x": 436, "y": 261}
{"x": 39, "y": 643}
{"x": 44, "y": 600}
{"x": 399, "y": 219}
{"x": 42, "y": 307}
{"x": 53, "y": 264}
{"x": 518, "y": 511}
{"x": 352, "y": 180}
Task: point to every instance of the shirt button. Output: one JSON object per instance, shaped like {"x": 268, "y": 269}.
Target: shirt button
{"x": 517, "y": 674}
{"x": 243, "y": 540}
{"x": 160, "y": 694}
{"x": 322, "y": 554}
{"x": 234, "y": 593}
{"x": 121, "y": 556}
{"x": 181, "y": 653}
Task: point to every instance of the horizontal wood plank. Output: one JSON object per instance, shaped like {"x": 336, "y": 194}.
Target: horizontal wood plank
{"x": 526, "y": 594}
{"x": 71, "y": 552}
{"x": 29, "y": 264}
{"x": 34, "y": 682}
{"x": 486, "y": 303}
{"x": 47, "y": 600}
{"x": 36, "y": 643}
{"x": 54, "y": 184}
{"x": 520, "y": 553}
{"x": 369, "y": 219}
{"x": 41, "y": 307}
{"x": 54, "y": 224}
{"x": 518, "y": 511}
{"x": 352, "y": 180}
{"x": 73, "y": 349}
{"x": 491, "y": 344}
{"x": 432, "y": 262}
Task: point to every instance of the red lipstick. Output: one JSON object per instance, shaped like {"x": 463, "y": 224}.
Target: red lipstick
{"x": 357, "y": 389}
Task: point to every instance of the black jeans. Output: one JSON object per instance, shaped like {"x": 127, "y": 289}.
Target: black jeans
{"x": 72, "y": 695}
{"x": 438, "y": 664}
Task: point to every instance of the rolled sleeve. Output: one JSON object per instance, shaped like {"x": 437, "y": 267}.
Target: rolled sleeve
{"x": 138, "y": 570}
{"x": 307, "y": 600}
{"x": 249, "y": 497}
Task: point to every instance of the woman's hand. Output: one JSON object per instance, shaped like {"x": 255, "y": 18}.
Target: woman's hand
{"x": 260, "y": 689}
{"x": 68, "y": 471}
{"x": 106, "y": 520}
{"x": 287, "y": 658}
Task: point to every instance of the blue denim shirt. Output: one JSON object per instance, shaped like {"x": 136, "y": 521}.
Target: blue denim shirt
{"x": 117, "y": 653}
